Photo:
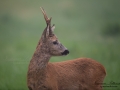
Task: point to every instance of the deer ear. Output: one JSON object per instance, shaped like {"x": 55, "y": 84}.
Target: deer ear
{"x": 53, "y": 27}
{"x": 47, "y": 31}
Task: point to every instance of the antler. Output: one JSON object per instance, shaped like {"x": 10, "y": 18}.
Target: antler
{"x": 48, "y": 20}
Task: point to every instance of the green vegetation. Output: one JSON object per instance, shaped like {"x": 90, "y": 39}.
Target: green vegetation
{"x": 87, "y": 28}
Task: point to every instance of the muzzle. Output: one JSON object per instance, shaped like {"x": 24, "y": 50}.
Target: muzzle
{"x": 65, "y": 52}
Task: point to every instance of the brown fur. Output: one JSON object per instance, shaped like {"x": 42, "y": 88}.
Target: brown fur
{"x": 78, "y": 74}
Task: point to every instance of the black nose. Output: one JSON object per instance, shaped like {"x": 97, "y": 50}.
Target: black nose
{"x": 65, "y": 52}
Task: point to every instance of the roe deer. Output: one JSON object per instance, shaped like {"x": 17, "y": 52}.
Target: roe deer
{"x": 77, "y": 74}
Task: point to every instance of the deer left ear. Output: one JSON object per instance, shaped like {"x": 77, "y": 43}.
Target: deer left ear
{"x": 47, "y": 31}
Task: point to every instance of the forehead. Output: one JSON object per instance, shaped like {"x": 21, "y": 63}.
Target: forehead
{"x": 53, "y": 38}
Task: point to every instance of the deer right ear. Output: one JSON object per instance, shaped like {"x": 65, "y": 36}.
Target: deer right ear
{"x": 53, "y": 27}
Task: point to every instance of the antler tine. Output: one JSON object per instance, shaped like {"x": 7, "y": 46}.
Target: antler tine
{"x": 45, "y": 16}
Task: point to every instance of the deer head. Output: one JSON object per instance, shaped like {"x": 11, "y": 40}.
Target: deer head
{"x": 50, "y": 40}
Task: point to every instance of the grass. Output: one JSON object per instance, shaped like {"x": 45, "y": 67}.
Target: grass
{"x": 79, "y": 27}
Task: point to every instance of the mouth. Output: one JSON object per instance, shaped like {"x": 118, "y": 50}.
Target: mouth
{"x": 65, "y": 52}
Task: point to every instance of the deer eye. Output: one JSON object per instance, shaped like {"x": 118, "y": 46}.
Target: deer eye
{"x": 55, "y": 42}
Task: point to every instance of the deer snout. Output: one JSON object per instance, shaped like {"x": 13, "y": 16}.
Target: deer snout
{"x": 65, "y": 52}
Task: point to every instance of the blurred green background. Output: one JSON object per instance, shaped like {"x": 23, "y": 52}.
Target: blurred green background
{"x": 88, "y": 28}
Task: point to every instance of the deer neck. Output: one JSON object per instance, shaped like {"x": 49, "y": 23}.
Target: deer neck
{"x": 38, "y": 64}
{"x": 40, "y": 57}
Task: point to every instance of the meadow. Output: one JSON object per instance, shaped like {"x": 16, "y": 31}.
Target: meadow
{"x": 88, "y": 28}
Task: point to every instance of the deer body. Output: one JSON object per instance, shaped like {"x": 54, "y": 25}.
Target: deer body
{"x": 78, "y": 74}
